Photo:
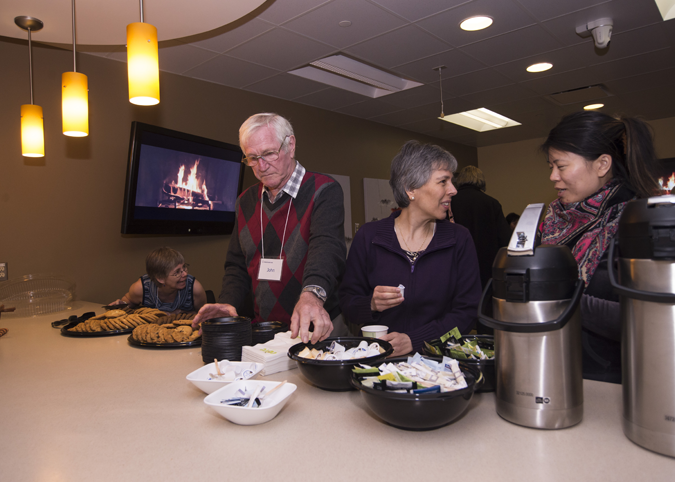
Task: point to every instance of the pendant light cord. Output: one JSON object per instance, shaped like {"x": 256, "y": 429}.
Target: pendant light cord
{"x": 440, "y": 84}
{"x": 30, "y": 66}
{"x": 74, "y": 59}
{"x": 141, "y": 11}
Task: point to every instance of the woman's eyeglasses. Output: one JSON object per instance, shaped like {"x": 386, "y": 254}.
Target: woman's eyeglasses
{"x": 178, "y": 272}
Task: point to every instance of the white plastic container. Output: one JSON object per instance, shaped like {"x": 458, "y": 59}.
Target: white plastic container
{"x": 269, "y": 408}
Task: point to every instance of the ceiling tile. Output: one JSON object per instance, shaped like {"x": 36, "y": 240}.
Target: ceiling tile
{"x": 455, "y": 61}
{"x": 649, "y": 80}
{"x": 367, "y": 21}
{"x": 279, "y": 12}
{"x": 473, "y": 82}
{"x": 406, "y": 99}
{"x": 231, "y": 72}
{"x": 230, "y": 39}
{"x": 398, "y": 47}
{"x": 369, "y": 108}
{"x": 546, "y": 10}
{"x": 652, "y": 61}
{"x": 518, "y": 44}
{"x": 429, "y": 111}
{"x": 417, "y": 9}
{"x": 280, "y": 49}
{"x": 286, "y": 86}
{"x": 181, "y": 58}
{"x": 573, "y": 79}
{"x": 507, "y": 16}
{"x": 488, "y": 98}
{"x": 330, "y": 98}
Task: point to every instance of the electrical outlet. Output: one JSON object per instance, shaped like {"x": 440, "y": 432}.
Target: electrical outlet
{"x": 3, "y": 272}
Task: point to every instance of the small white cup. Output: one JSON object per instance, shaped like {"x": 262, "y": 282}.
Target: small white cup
{"x": 374, "y": 331}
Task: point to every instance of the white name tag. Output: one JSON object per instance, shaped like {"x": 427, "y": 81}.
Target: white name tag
{"x": 270, "y": 269}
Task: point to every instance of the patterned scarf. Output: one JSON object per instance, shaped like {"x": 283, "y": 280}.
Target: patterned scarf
{"x": 587, "y": 227}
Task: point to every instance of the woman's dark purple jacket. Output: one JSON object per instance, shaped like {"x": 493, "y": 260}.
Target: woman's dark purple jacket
{"x": 442, "y": 290}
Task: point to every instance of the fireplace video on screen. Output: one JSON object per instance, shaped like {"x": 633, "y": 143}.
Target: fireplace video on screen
{"x": 173, "y": 179}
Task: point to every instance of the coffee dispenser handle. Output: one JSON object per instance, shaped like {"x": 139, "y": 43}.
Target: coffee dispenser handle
{"x": 485, "y": 314}
{"x": 630, "y": 292}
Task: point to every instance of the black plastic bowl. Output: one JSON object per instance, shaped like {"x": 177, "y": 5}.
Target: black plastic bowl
{"x": 335, "y": 375}
{"x": 487, "y": 367}
{"x": 425, "y": 411}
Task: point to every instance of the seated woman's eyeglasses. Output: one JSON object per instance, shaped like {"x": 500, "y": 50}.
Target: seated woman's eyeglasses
{"x": 269, "y": 156}
{"x": 178, "y": 272}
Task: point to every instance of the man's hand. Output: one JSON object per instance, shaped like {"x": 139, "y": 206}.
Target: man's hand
{"x": 400, "y": 341}
{"x": 385, "y": 297}
{"x": 213, "y": 310}
{"x": 309, "y": 309}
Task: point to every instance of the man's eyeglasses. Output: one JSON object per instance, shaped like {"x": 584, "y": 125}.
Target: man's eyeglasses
{"x": 179, "y": 271}
{"x": 269, "y": 156}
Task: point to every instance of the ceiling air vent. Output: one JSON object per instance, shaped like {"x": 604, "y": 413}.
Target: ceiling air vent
{"x": 582, "y": 94}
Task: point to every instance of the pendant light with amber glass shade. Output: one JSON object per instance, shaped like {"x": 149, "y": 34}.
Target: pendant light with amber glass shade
{"x": 142, "y": 62}
{"x": 74, "y": 97}
{"x": 32, "y": 125}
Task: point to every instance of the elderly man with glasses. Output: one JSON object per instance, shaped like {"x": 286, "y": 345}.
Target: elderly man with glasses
{"x": 288, "y": 243}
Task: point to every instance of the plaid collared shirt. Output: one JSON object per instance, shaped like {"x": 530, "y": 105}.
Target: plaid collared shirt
{"x": 292, "y": 186}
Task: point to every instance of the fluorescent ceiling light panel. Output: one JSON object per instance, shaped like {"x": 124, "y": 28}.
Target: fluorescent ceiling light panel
{"x": 480, "y": 120}
{"x": 348, "y": 74}
{"x": 667, "y": 8}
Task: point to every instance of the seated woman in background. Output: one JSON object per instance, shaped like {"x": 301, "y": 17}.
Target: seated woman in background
{"x": 416, "y": 247}
{"x": 598, "y": 163}
{"x": 167, "y": 286}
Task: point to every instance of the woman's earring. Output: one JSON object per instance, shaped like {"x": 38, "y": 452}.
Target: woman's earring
{"x": 412, "y": 197}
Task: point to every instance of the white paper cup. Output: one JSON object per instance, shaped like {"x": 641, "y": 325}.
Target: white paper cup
{"x": 374, "y": 331}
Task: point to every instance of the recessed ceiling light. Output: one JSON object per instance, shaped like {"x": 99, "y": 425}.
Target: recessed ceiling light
{"x": 539, "y": 67}
{"x": 345, "y": 23}
{"x": 593, "y": 106}
{"x": 472, "y": 24}
{"x": 480, "y": 120}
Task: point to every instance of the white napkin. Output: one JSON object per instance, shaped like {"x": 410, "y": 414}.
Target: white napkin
{"x": 272, "y": 354}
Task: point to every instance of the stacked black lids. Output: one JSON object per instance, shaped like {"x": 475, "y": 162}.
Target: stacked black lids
{"x": 223, "y": 338}
{"x": 647, "y": 229}
{"x": 551, "y": 273}
{"x": 265, "y": 331}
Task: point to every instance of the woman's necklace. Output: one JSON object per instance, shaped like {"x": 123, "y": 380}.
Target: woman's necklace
{"x": 413, "y": 255}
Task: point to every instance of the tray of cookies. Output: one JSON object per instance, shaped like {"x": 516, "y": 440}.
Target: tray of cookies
{"x": 112, "y": 322}
{"x": 172, "y": 331}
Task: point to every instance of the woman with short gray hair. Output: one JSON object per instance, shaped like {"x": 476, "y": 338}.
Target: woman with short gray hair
{"x": 414, "y": 272}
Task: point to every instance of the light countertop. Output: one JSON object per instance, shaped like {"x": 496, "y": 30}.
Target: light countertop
{"x": 98, "y": 409}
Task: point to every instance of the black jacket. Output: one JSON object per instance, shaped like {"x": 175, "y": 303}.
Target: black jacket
{"x": 482, "y": 215}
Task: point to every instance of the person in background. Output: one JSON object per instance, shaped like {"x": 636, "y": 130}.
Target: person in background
{"x": 416, "y": 247}
{"x": 166, "y": 286}
{"x": 512, "y": 219}
{"x": 482, "y": 215}
{"x": 598, "y": 164}
{"x": 288, "y": 245}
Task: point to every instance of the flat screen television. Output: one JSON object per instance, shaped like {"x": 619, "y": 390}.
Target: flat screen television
{"x": 180, "y": 184}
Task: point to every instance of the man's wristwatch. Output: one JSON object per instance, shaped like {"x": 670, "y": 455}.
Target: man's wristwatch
{"x": 318, "y": 291}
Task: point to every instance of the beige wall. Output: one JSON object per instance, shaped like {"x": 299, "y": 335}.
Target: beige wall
{"x": 517, "y": 173}
{"x": 63, "y": 213}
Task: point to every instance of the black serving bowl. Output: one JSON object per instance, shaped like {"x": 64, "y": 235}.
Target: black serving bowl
{"x": 424, "y": 411}
{"x": 335, "y": 375}
{"x": 487, "y": 367}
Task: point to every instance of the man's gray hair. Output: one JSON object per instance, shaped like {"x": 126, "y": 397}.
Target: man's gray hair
{"x": 282, "y": 128}
{"x": 472, "y": 176}
{"x": 413, "y": 165}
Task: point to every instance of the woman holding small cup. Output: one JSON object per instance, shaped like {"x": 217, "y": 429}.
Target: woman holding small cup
{"x": 416, "y": 248}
